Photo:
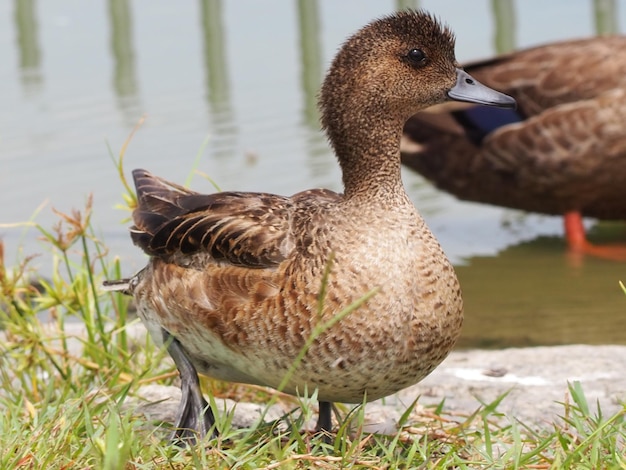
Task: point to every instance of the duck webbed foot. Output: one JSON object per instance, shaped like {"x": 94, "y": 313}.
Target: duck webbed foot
{"x": 579, "y": 245}
{"x": 195, "y": 418}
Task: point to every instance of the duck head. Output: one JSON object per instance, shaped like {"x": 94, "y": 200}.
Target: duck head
{"x": 395, "y": 66}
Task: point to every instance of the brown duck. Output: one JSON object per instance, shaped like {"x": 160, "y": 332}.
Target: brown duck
{"x": 234, "y": 285}
{"x": 562, "y": 152}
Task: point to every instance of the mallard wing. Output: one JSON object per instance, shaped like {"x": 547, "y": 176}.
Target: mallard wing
{"x": 561, "y": 147}
{"x": 563, "y": 72}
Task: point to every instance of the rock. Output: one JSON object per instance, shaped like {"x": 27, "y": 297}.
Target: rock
{"x": 160, "y": 403}
{"x": 535, "y": 380}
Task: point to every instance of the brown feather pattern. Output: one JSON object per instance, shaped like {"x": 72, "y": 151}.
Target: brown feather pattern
{"x": 240, "y": 228}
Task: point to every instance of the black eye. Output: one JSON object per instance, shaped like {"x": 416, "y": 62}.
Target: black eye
{"x": 416, "y": 56}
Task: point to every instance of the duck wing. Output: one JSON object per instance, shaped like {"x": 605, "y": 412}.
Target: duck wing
{"x": 570, "y": 157}
{"x": 561, "y": 147}
{"x": 242, "y": 229}
{"x": 563, "y": 72}
{"x": 565, "y": 140}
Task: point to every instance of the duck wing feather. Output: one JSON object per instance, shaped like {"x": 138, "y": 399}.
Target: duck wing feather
{"x": 243, "y": 229}
{"x": 559, "y": 146}
{"x": 562, "y": 72}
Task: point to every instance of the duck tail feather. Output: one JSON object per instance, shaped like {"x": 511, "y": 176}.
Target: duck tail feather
{"x": 118, "y": 285}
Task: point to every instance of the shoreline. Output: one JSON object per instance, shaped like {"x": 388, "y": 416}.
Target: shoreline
{"x": 534, "y": 379}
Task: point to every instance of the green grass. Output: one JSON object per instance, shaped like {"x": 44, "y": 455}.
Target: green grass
{"x": 62, "y": 398}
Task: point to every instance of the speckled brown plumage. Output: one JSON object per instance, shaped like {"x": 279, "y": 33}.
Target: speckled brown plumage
{"x": 244, "y": 314}
{"x": 566, "y": 153}
{"x": 236, "y": 278}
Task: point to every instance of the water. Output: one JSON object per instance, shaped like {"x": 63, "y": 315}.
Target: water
{"x": 242, "y": 76}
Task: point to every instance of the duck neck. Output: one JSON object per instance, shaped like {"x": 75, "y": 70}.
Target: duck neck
{"x": 367, "y": 145}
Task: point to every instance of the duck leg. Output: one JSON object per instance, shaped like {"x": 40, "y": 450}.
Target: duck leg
{"x": 195, "y": 418}
{"x": 575, "y": 231}
{"x": 578, "y": 243}
{"x": 325, "y": 420}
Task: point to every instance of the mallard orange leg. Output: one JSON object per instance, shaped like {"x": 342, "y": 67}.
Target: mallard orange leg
{"x": 195, "y": 418}
{"x": 578, "y": 243}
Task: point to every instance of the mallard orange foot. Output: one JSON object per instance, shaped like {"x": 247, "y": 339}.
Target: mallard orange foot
{"x": 578, "y": 243}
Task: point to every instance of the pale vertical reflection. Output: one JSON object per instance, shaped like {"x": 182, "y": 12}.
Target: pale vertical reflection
{"x": 124, "y": 80}
{"x": 605, "y": 16}
{"x": 215, "y": 53}
{"x": 407, "y": 4}
{"x": 217, "y": 81}
{"x": 505, "y": 25}
{"x": 311, "y": 58}
{"x": 28, "y": 45}
{"x": 311, "y": 79}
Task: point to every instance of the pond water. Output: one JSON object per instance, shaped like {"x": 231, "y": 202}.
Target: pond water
{"x": 231, "y": 86}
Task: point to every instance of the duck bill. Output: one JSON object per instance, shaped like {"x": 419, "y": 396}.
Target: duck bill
{"x": 472, "y": 91}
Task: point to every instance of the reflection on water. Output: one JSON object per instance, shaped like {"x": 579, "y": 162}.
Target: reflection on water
{"x": 605, "y": 17}
{"x": 311, "y": 74}
{"x": 246, "y": 75}
{"x": 505, "y": 25}
{"x": 124, "y": 81}
{"x": 311, "y": 58}
{"x": 214, "y": 47}
{"x": 27, "y": 44}
{"x": 222, "y": 120}
{"x": 405, "y": 4}
{"x": 534, "y": 294}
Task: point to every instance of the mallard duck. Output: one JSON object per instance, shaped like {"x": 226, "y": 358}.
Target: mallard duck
{"x": 238, "y": 282}
{"x": 561, "y": 152}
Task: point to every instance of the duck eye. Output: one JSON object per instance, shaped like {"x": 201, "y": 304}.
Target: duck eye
{"x": 416, "y": 56}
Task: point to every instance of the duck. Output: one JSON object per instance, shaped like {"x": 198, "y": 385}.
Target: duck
{"x": 344, "y": 296}
{"x": 562, "y": 151}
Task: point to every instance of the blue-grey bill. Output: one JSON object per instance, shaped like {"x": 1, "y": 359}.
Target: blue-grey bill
{"x": 471, "y": 90}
